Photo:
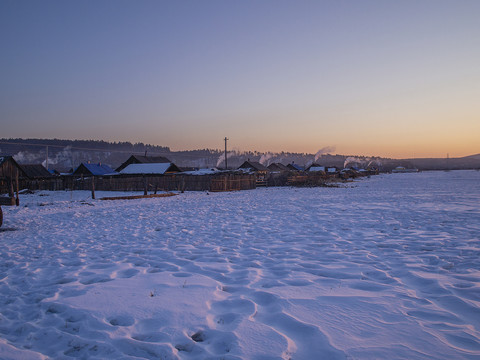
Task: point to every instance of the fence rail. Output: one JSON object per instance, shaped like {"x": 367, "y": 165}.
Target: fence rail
{"x": 151, "y": 183}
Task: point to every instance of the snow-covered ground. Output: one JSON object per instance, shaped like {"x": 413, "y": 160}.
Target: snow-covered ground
{"x": 383, "y": 268}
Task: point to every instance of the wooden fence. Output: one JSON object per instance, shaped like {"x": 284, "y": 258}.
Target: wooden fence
{"x": 152, "y": 183}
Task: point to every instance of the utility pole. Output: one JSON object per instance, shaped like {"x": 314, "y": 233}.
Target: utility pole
{"x": 226, "y": 167}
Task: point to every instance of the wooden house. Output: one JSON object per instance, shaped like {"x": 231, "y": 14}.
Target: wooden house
{"x": 139, "y": 159}
{"x": 254, "y": 166}
{"x": 87, "y": 169}
{"x": 295, "y": 167}
{"x": 278, "y": 167}
{"x": 261, "y": 172}
{"x": 10, "y": 172}
{"x": 36, "y": 171}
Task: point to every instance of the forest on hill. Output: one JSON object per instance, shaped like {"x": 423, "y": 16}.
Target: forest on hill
{"x": 63, "y": 155}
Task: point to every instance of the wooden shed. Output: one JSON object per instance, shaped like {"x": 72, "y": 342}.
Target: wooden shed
{"x": 277, "y": 167}
{"x": 10, "y": 171}
{"x": 36, "y": 171}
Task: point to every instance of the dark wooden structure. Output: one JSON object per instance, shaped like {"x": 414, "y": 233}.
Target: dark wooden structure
{"x": 295, "y": 167}
{"x": 170, "y": 182}
{"x": 254, "y": 166}
{"x": 261, "y": 172}
{"x": 36, "y": 171}
{"x": 278, "y": 167}
{"x": 10, "y": 172}
{"x": 37, "y": 177}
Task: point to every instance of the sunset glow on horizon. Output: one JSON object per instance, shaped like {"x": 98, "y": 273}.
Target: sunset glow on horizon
{"x": 373, "y": 78}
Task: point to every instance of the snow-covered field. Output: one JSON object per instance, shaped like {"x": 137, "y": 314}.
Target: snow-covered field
{"x": 383, "y": 268}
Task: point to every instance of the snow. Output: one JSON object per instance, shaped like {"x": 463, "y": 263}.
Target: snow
{"x": 317, "y": 168}
{"x": 208, "y": 171}
{"x": 382, "y": 268}
{"x": 153, "y": 168}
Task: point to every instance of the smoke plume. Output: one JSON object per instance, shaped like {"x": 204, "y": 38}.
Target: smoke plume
{"x": 221, "y": 158}
{"x": 264, "y": 158}
{"x": 324, "y": 150}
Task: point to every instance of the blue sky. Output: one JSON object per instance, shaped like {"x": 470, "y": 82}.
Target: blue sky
{"x": 388, "y": 78}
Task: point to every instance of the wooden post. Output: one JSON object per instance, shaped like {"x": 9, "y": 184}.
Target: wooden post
{"x": 10, "y": 187}
{"x": 145, "y": 185}
{"x": 226, "y": 166}
{"x": 17, "y": 199}
{"x": 93, "y": 187}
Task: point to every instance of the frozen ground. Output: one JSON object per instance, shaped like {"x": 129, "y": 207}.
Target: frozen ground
{"x": 384, "y": 268}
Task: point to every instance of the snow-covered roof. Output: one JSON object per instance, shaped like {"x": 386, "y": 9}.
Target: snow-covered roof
{"x": 149, "y": 168}
{"x": 203, "y": 171}
{"x": 317, "y": 168}
{"x": 95, "y": 169}
{"x": 295, "y": 167}
{"x": 254, "y": 165}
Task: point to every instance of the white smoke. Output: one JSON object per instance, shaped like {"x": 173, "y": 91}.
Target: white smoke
{"x": 25, "y": 157}
{"x": 361, "y": 162}
{"x": 64, "y": 157}
{"x": 352, "y": 160}
{"x": 221, "y": 158}
{"x": 324, "y": 150}
{"x": 376, "y": 162}
{"x": 264, "y": 158}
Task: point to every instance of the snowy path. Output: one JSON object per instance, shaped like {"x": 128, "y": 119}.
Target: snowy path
{"x": 384, "y": 268}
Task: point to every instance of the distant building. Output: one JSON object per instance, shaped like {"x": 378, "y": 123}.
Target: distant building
{"x": 254, "y": 166}
{"x": 295, "y": 167}
{"x": 138, "y": 159}
{"x": 315, "y": 168}
{"x": 87, "y": 169}
{"x": 277, "y": 167}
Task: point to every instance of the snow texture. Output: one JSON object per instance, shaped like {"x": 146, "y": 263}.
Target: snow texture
{"x": 383, "y": 268}
{"x": 153, "y": 168}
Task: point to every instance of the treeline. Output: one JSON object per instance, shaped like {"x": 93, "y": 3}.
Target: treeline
{"x": 87, "y": 144}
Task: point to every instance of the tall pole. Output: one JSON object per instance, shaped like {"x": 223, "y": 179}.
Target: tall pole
{"x": 226, "y": 167}
{"x": 47, "y": 158}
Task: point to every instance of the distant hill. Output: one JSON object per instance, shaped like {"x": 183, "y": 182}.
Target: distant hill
{"x": 473, "y": 157}
{"x": 64, "y": 155}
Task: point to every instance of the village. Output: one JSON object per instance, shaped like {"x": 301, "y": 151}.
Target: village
{"x": 153, "y": 174}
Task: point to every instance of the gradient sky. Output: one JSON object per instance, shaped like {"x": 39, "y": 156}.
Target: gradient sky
{"x": 385, "y": 78}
